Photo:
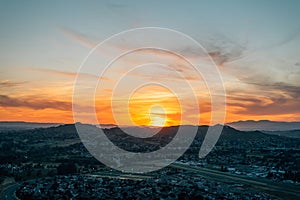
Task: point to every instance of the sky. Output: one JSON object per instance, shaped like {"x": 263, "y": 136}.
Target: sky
{"x": 254, "y": 44}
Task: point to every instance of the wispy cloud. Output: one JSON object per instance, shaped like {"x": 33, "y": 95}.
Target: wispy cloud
{"x": 275, "y": 97}
{"x": 67, "y": 74}
{"x": 291, "y": 91}
{"x": 8, "y": 83}
{"x": 82, "y": 39}
{"x": 35, "y": 103}
{"x": 221, "y": 50}
{"x": 258, "y": 105}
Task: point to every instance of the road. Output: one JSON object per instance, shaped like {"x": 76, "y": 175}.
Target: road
{"x": 9, "y": 192}
{"x": 120, "y": 175}
{"x": 281, "y": 190}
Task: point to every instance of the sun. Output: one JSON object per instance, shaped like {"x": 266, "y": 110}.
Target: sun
{"x": 157, "y": 116}
{"x": 153, "y": 106}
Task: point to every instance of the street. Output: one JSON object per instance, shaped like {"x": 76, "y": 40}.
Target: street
{"x": 281, "y": 190}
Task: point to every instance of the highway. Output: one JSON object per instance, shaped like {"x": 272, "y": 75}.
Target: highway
{"x": 281, "y": 190}
{"x": 120, "y": 175}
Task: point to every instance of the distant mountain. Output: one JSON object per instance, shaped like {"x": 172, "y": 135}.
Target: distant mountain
{"x": 264, "y": 125}
{"x": 107, "y": 126}
{"x": 138, "y": 135}
{"x": 67, "y": 134}
{"x": 19, "y": 125}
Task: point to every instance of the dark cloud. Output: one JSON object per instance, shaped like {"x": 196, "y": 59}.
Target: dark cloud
{"x": 204, "y": 107}
{"x": 34, "y": 103}
{"x": 271, "y": 98}
{"x": 251, "y": 105}
{"x": 273, "y": 108}
{"x": 220, "y": 57}
{"x": 8, "y": 83}
{"x": 227, "y": 52}
{"x": 291, "y": 91}
{"x": 222, "y": 49}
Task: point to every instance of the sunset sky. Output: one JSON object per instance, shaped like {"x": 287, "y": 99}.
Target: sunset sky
{"x": 255, "y": 45}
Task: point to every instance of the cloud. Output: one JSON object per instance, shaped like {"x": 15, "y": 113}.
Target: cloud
{"x": 8, "y": 83}
{"x": 272, "y": 90}
{"x": 285, "y": 88}
{"x": 223, "y": 50}
{"x": 84, "y": 40}
{"x": 276, "y": 96}
{"x": 67, "y": 74}
{"x": 273, "y": 108}
{"x": 255, "y": 105}
{"x": 269, "y": 82}
{"x": 289, "y": 36}
{"x": 266, "y": 95}
{"x": 221, "y": 57}
{"x": 34, "y": 103}
{"x": 172, "y": 73}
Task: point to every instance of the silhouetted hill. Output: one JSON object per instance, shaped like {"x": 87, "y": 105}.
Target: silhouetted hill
{"x": 264, "y": 125}
{"x": 19, "y": 125}
{"x": 68, "y": 132}
{"x": 230, "y": 133}
{"x": 59, "y": 132}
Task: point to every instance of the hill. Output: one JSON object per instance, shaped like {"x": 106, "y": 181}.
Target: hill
{"x": 264, "y": 125}
{"x": 19, "y": 125}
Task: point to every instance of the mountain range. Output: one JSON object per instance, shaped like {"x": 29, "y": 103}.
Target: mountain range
{"x": 287, "y": 129}
{"x": 20, "y": 125}
{"x": 264, "y": 125}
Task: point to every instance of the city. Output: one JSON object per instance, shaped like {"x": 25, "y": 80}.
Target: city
{"x": 52, "y": 163}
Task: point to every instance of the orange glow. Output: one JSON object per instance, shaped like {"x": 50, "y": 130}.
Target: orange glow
{"x": 148, "y": 106}
{"x": 140, "y": 118}
{"x": 156, "y": 108}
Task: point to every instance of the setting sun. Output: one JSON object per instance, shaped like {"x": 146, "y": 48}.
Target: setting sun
{"x": 147, "y": 107}
{"x": 157, "y": 116}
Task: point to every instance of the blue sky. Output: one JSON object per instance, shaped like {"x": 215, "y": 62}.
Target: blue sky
{"x": 255, "y": 44}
